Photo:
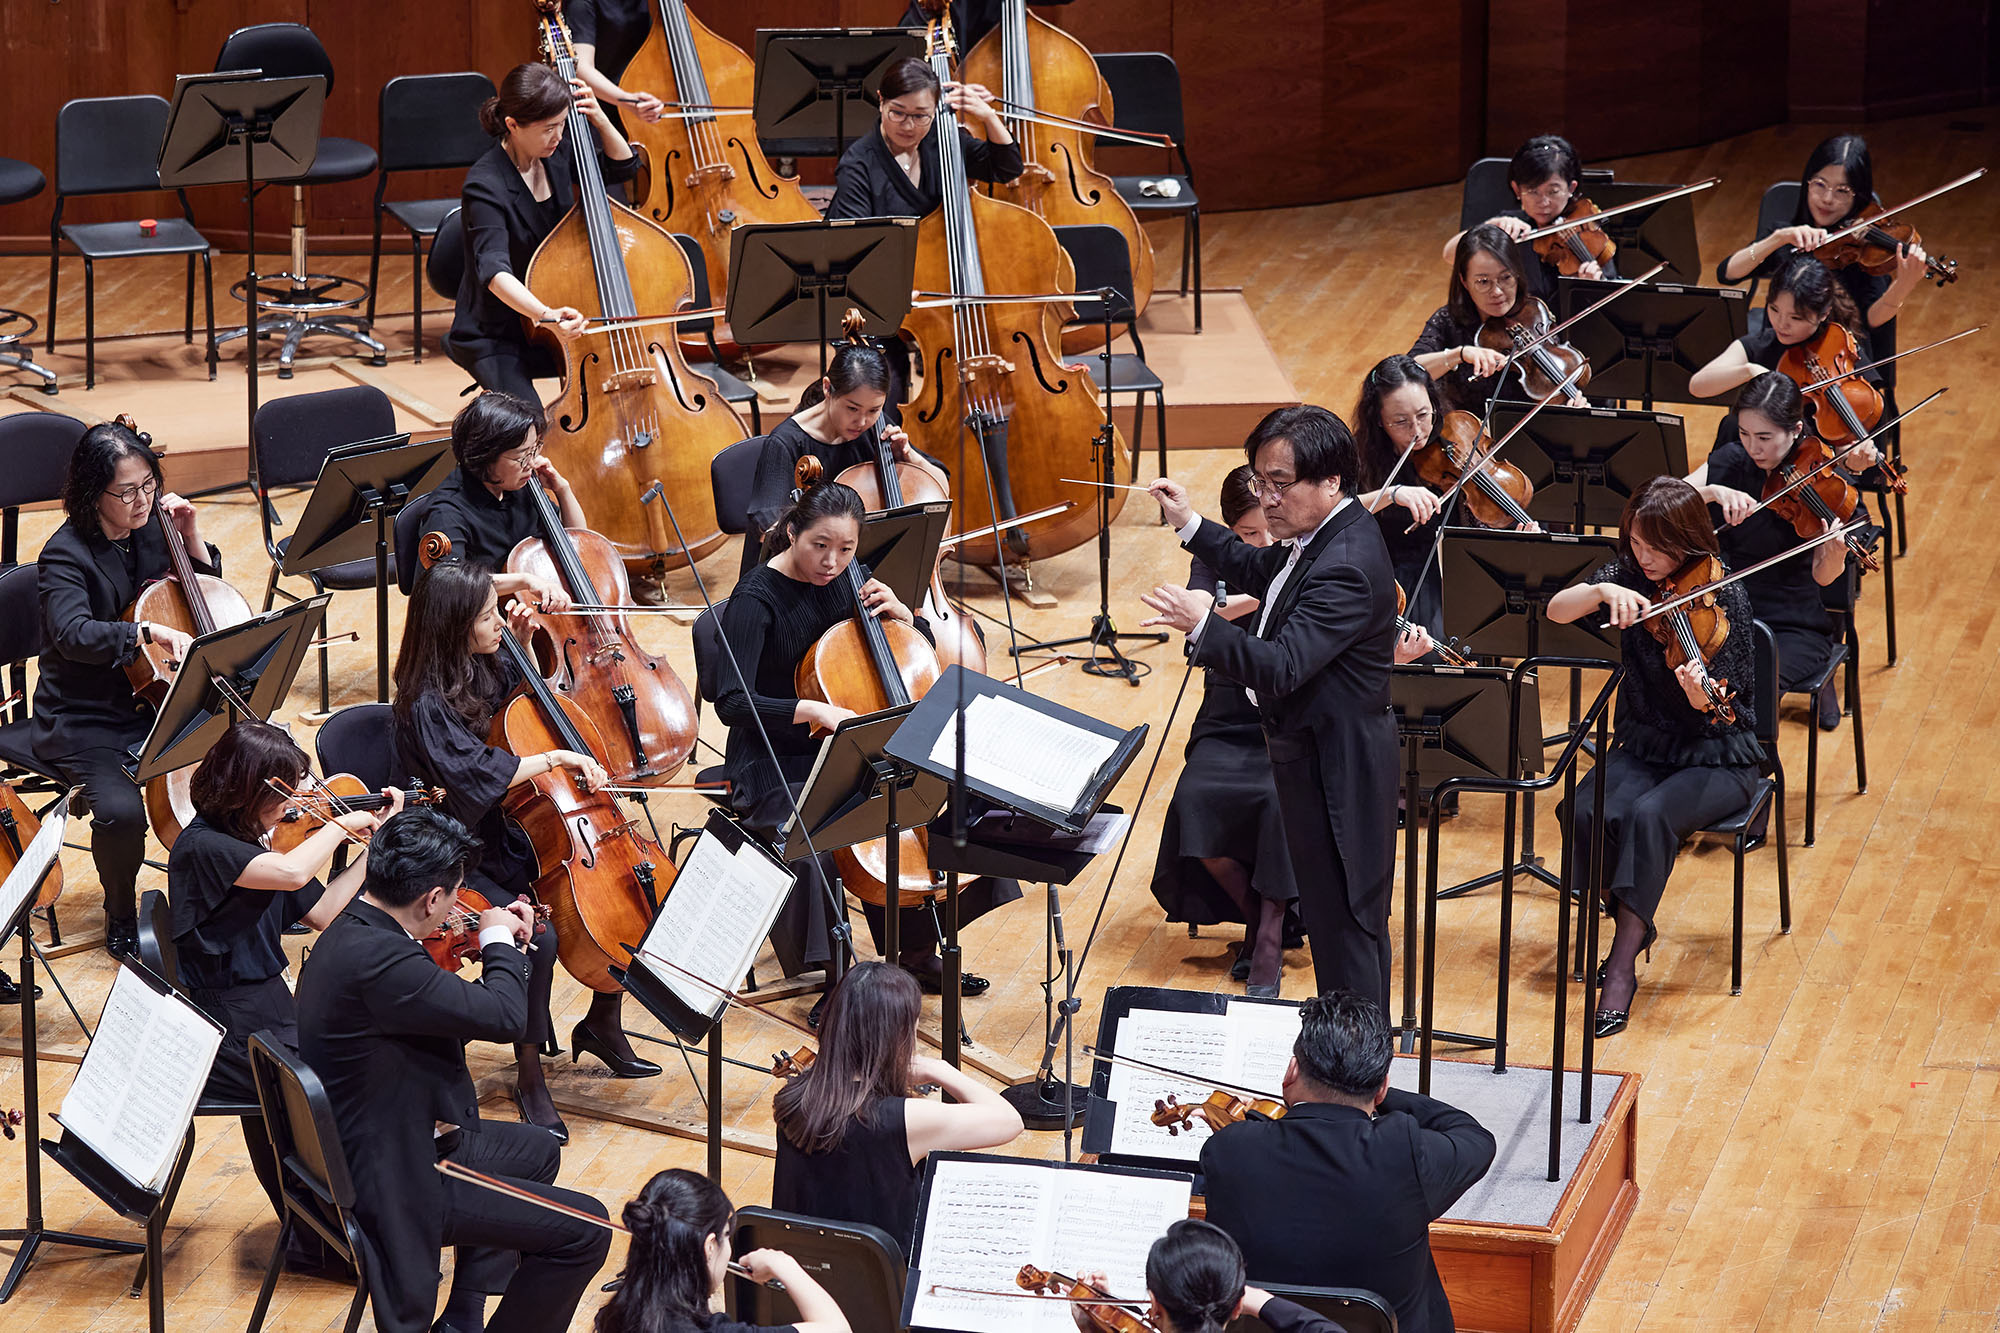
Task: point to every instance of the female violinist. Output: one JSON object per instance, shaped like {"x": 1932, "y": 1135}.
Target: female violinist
{"x": 1769, "y": 425}
{"x": 233, "y": 896}
{"x": 1545, "y": 176}
{"x": 893, "y": 171}
{"x": 682, "y": 1226}
{"x": 1222, "y": 844}
{"x": 481, "y": 508}
{"x": 1486, "y": 283}
{"x": 451, "y": 678}
{"x": 514, "y": 197}
{"x": 1676, "y": 764}
{"x": 851, "y": 1138}
{"x": 777, "y": 612}
{"x": 1195, "y": 1284}
{"x": 86, "y": 716}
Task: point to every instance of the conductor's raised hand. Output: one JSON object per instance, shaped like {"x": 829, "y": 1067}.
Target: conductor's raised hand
{"x": 1177, "y": 607}
{"x": 1173, "y": 498}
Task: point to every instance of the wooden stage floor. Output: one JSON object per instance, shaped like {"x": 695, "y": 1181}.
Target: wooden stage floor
{"x": 1817, "y": 1153}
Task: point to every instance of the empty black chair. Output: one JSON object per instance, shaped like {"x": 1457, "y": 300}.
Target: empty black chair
{"x": 409, "y": 532}
{"x": 733, "y": 390}
{"x": 1103, "y": 260}
{"x": 1352, "y": 1309}
{"x": 731, "y": 474}
{"x": 18, "y": 181}
{"x": 1146, "y": 96}
{"x": 429, "y": 122}
{"x": 303, "y": 302}
{"x": 110, "y": 145}
{"x": 37, "y": 448}
{"x": 360, "y": 739}
{"x": 319, "y": 1191}
{"x": 21, "y": 643}
{"x": 1485, "y": 194}
{"x": 860, "y": 1267}
{"x": 293, "y": 437}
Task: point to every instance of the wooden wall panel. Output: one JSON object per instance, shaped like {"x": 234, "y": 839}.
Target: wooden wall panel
{"x": 1863, "y": 62}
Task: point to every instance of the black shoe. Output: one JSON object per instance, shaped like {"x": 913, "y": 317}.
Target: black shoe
{"x": 1260, "y": 992}
{"x": 818, "y": 1009}
{"x": 121, "y": 938}
{"x": 10, "y": 990}
{"x": 326, "y": 1266}
{"x": 558, "y": 1129}
{"x": 931, "y": 979}
{"x": 1610, "y": 1022}
{"x": 1829, "y": 707}
{"x": 583, "y": 1041}
{"x": 298, "y": 928}
{"x": 1240, "y": 969}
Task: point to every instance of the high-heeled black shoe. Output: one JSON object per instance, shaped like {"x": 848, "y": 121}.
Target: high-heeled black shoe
{"x": 582, "y": 1040}
{"x": 559, "y": 1129}
{"x": 1610, "y": 1022}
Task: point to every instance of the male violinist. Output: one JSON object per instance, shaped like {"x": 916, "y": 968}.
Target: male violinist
{"x": 385, "y": 1029}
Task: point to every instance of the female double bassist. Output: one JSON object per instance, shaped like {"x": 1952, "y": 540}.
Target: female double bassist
{"x": 893, "y": 171}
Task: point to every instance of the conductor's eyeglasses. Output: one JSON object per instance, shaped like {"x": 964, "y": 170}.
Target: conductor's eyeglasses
{"x": 1266, "y": 489}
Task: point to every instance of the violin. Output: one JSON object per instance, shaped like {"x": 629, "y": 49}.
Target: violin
{"x": 1451, "y": 655}
{"x": 642, "y": 709}
{"x": 866, "y": 664}
{"x": 1828, "y": 498}
{"x": 456, "y": 941}
{"x": 1103, "y": 1313}
{"x": 1219, "y": 1108}
{"x": 1497, "y": 495}
{"x": 1573, "y": 247}
{"x": 18, "y": 826}
{"x": 1694, "y": 633}
{"x": 1876, "y": 245}
{"x": 343, "y": 793}
{"x": 631, "y": 415}
{"x": 1552, "y": 362}
{"x": 993, "y": 371}
{"x": 1846, "y": 409}
{"x": 1037, "y": 67}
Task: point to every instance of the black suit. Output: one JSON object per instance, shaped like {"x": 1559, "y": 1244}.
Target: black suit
{"x": 1329, "y": 1196}
{"x": 385, "y": 1029}
{"x": 1319, "y": 666}
{"x": 86, "y": 717}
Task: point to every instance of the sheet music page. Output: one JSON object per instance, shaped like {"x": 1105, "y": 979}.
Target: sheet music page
{"x": 986, "y": 1219}
{"x": 1197, "y": 1043}
{"x": 1010, "y": 746}
{"x": 716, "y": 914}
{"x": 1261, "y": 1037}
{"x": 34, "y": 859}
{"x": 137, "y": 1087}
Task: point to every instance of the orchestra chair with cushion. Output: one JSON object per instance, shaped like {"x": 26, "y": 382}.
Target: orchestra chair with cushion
{"x": 711, "y": 668}
{"x": 1103, "y": 260}
{"x": 410, "y": 521}
{"x": 442, "y": 269}
{"x": 20, "y": 644}
{"x": 733, "y": 390}
{"x": 37, "y": 447}
{"x": 1351, "y": 1309}
{"x": 429, "y": 122}
{"x": 731, "y": 476}
{"x": 110, "y": 145}
{"x": 860, "y": 1267}
{"x": 1146, "y": 96}
{"x": 20, "y": 181}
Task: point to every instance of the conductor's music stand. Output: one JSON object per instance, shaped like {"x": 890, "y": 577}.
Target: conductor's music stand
{"x": 363, "y": 485}
{"x": 1587, "y": 462}
{"x": 1646, "y": 345}
{"x": 794, "y": 281}
{"x": 276, "y": 123}
{"x": 1662, "y": 234}
{"x": 809, "y": 80}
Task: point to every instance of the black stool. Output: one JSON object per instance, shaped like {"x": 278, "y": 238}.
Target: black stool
{"x": 18, "y": 181}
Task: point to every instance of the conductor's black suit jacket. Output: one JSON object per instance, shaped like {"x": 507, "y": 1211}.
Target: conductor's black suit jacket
{"x": 385, "y": 1029}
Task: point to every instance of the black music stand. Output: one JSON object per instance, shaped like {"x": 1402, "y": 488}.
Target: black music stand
{"x": 1662, "y": 234}
{"x": 363, "y": 485}
{"x": 1587, "y": 462}
{"x": 794, "y": 281}
{"x": 277, "y": 123}
{"x": 1646, "y": 345}
{"x": 810, "y": 79}
{"x": 1456, "y": 722}
{"x": 900, "y": 546}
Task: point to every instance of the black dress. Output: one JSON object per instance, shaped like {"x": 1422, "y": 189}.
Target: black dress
{"x": 1863, "y": 288}
{"x": 1460, "y": 391}
{"x": 1541, "y": 274}
{"x": 617, "y": 29}
{"x": 1225, "y": 804}
{"x": 868, "y": 1178}
{"x": 970, "y": 19}
{"x": 771, "y": 491}
{"x": 1786, "y": 596}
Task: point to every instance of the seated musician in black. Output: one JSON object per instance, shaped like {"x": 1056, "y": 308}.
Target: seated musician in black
{"x": 1486, "y": 283}
{"x": 893, "y": 171}
{"x": 1363, "y": 1169}
{"x": 777, "y": 612}
{"x": 851, "y": 1137}
{"x": 451, "y": 680}
{"x": 86, "y": 716}
{"x": 233, "y": 896}
{"x": 385, "y": 1029}
{"x": 1545, "y": 175}
{"x": 1194, "y": 1284}
{"x": 514, "y": 197}
{"x": 483, "y": 510}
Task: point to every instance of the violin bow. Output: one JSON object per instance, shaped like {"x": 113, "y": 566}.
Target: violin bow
{"x": 1878, "y": 219}
{"x": 1485, "y": 460}
{"x": 732, "y": 997}
{"x": 1817, "y": 385}
{"x": 291, "y": 793}
{"x": 1548, "y": 334}
{"x": 1805, "y": 478}
{"x": 1661, "y": 608}
{"x": 1149, "y": 1067}
{"x": 1557, "y": 228}
{"x": 1111, "y": 1302}
{"x": 952, "y": 539}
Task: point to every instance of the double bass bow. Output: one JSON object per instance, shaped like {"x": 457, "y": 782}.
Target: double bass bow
{"x": 631, "y": 415}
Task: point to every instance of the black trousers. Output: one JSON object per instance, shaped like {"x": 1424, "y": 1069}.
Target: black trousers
{"x": 1802, "y": 654}
{"x": 541, "y": 1261}
{"x": 511, "y": 370}
{"x": 1649, "y": 810}
{"x": 1350, "y": 946}
{"x": 117, "y": 824}
{"x": 541, "y": 958}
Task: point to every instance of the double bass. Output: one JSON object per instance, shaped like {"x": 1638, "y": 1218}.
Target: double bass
{"x": 631, "y": 415}
{"x": 993, "y": 371}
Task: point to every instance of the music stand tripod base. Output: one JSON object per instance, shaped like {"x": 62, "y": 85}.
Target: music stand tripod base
{"x": 1047, "y": 1103}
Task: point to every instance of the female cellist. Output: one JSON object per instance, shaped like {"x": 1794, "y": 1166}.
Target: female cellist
{"x": 480, "y": 509}
{"x": 1676, "y": 764}
{"x": 86, "y": 716}
{"x": 1486, "y": 283}
{"x": 851, "y": 1138}
{"x": 1545, "y": 176}
{"x": 233, "y": 896}
{"x": 450, "y": 680}
{"x": 514, "y": 197}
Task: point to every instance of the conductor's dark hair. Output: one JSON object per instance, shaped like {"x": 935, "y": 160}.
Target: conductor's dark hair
{"x": 1484, "y": 239}
{"x": 95, "y": 463}
{"x": 1544, "y": 157}
{"x": 1775, "y": 396}
{"x": 487, "y": 427}
{"x": 530, "y": 93}
{"x": 416, "y": 851}
{"x": 437, "y": 657}
{"x": 1814, "y": 290}
{"x": 866, "y": 1037}
{"x": 856, "y": 366}
{"x": 1668, "y": 515}
{"x": 827, "y": 501}
{"x": 1378, "y": 451}
{"x": 1322, "y": 446}
{"x": 1850, "y": 153}
{"x": 233, "y": 779}
{"x": 666, "y": 1269}
{"x": 1344, "y": 1043}
{"x": 1237, "y": 498}
{"x": 1195, "y": 1272}
{"x": 909, "y": 75}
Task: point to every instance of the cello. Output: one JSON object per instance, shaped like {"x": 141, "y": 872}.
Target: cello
{"x": 642, "y": 709}
{"x": 1037, "y": 67}
{"x": 631, "y": 415}
{"x": 993, "y": 370}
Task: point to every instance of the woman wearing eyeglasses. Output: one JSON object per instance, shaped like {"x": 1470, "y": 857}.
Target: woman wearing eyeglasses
{"x": 86, "y": 717}
{"x": 893, "y": 171}
{"x": 1545, "y": 176}
{"x": 1486, "y": 283}
{"x": 483, "y": 510}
